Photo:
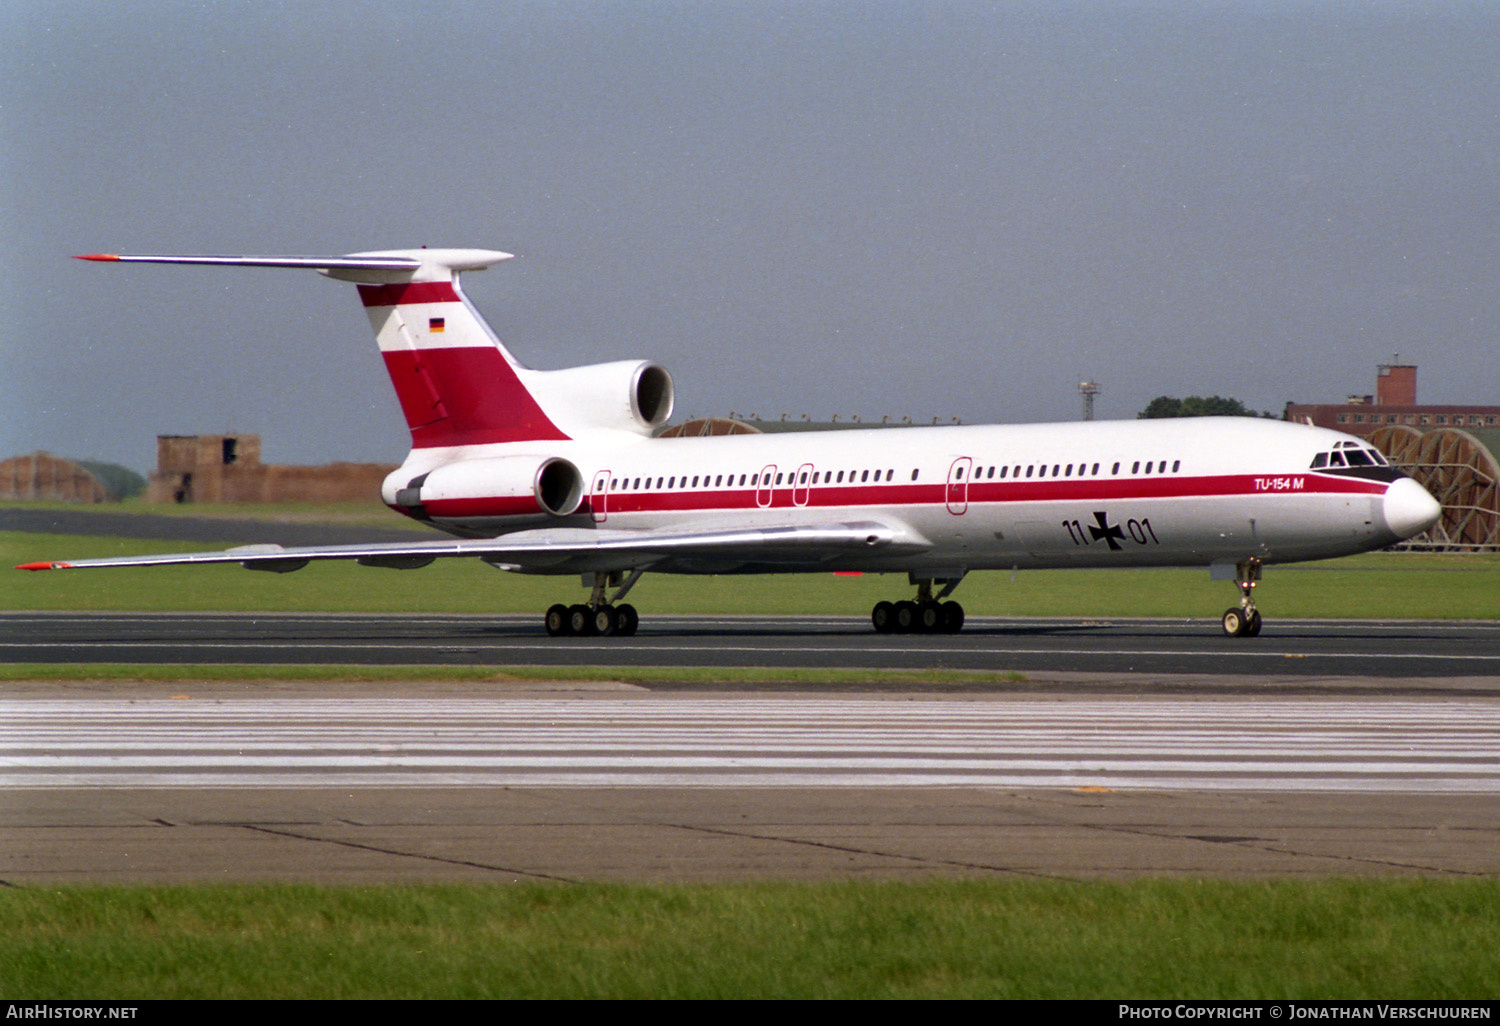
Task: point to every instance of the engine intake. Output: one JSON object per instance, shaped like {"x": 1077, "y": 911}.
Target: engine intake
{"x": 628, "y": 395}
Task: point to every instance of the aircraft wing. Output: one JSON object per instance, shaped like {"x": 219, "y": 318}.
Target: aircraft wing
{"x": 571, "y": 550}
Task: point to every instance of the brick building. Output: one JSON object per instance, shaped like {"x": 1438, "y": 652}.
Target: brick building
{"x": 227, "y": 468}
{"x": 43, "y": 477}
{"x": 1394, "y": 402}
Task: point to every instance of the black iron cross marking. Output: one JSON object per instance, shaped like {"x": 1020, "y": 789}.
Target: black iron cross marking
{"x": 1107, "y": 531}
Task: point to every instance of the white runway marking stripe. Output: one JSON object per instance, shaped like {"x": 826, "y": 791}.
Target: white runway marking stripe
{"x": 1366, "y": 744}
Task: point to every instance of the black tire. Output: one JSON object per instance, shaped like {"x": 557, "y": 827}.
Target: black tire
{"x": 929, "y": 617}
{"x": 883, "y": 616}
{"x": 953, "y": 618}
{"x": 1252, "y": 627}
{"x": 627, "y": 620}
{"x": 1234, "y": 622}
{"x": 606, "y": 620}
{"x": 581, "y": 621}
{"x": 906, "y": 617}
{"x": 557, "y": 621}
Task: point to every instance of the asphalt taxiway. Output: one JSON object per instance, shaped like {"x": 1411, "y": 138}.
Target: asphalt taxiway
{"x": 1310, "y": 649}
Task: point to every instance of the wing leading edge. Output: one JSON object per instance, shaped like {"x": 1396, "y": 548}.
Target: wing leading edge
{"x": 566, "y": 550}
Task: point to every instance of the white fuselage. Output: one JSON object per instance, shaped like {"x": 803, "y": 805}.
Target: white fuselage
{"x": 1130, "y": 493}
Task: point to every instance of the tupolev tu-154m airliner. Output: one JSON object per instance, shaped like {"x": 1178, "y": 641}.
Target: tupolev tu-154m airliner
{"x": 559, "y": 472}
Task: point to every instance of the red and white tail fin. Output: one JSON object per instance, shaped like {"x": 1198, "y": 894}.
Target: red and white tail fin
{"x": 456, "y": 383}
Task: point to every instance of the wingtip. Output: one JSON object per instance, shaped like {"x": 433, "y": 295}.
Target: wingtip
{"x": 99, "y": 256}
{"x": 42, "y": 566}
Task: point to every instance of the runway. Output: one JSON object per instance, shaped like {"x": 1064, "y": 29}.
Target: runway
{"x": 788, "y": 741}
{"x": 1307, "y": 649}
{"x": 334, "y": 783}
{"x": 1121, "y": 749}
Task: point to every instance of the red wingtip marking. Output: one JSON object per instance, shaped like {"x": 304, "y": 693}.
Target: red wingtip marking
{"x": 42, "y": 566}
{"x": 98, "y": 256}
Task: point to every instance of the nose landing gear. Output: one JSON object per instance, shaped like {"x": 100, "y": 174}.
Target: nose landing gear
{"x": 1244, "y": 621}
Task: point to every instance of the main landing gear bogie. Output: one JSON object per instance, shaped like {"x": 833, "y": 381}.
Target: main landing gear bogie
{"x": 599, "y": 616}
{"x": 586, "y": 621}
{"x": 928, "y": 614}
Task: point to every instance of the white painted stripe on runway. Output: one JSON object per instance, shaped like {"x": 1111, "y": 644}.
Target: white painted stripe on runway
{"x": 1410, "y": 785}
{"x": 1398, "y": 745}
{"x": 37, "y": 765}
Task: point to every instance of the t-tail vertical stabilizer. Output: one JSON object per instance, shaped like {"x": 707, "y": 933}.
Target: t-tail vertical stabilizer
{"x": 456, "y": 383}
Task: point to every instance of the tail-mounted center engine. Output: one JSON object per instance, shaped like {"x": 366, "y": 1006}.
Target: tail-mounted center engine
{"x": 628, "y": 395}
{"x": 510, "y": 487}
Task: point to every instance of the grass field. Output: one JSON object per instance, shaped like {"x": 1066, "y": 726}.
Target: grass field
{"x": 1162, "y": 939}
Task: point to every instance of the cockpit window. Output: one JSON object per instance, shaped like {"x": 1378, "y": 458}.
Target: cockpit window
{"x": 1349, "y": 454}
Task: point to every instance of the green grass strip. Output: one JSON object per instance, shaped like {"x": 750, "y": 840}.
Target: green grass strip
{"x": 1153, "y": 939}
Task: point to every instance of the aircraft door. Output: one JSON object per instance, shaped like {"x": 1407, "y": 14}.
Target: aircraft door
{"x": 958, "y": 485}
{"x": 599, "y": 498}
{"x": 763, "y": 488}
{"x": 802, "y": 485}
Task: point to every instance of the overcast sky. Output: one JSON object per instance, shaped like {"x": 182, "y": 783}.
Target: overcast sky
{"x": 905, "y": 207}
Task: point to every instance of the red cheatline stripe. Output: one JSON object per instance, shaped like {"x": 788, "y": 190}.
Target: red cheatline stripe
{"x": 416, "y": 292}
{"x": 505, "y": 506}
{"x": 898, "y": 495}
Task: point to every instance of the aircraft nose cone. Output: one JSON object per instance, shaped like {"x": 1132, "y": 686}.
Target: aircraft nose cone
{"x": 1409, "y": 509}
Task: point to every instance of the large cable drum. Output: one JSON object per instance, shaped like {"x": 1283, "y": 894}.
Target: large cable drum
{"x": 1460, "y": 472}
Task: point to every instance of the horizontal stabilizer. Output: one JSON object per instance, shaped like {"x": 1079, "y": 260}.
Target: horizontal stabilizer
{"x": 377, "y": 263}
{"x": 374, "y": 268}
